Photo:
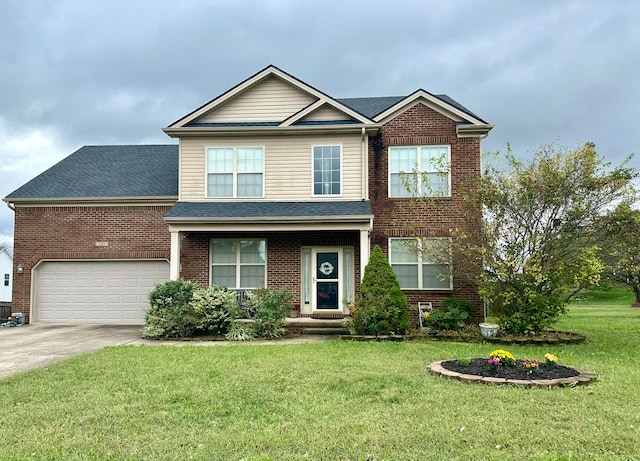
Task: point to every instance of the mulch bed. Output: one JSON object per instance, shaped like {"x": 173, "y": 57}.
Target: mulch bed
{"x": 479, "y": 367}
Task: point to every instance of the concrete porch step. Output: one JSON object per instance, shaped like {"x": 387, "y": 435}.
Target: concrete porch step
{"x": 311, "y": 326}
{"x": 325, "y": 331}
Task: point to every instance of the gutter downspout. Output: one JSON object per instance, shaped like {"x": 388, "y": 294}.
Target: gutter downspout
{"x": 365, "y": 165}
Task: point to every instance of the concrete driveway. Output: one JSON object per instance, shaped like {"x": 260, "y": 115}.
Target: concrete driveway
{"x": 31, "y": 346}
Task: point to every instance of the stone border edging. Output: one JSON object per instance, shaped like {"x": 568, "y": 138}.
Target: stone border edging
{"x": 584, "y": 378}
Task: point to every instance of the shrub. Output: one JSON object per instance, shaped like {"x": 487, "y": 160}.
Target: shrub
{"x": 380, "y": 307}
{"x": 529, "y": 304}
{"x": 239, "y": 332}
{"x": 451, "y": 316}
{"x": 171, "y": 314}
{"x": 215, "y": 307}
{"x": 271, "y": 309}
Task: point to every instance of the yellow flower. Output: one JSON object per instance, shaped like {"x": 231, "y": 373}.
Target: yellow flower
{"x": 551, "y": 358}
{"x": 425, "y": 315}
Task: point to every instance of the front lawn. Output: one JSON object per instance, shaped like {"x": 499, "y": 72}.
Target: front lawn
{"x": 333, "y": 400}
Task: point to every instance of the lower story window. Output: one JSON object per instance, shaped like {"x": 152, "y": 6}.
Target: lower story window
{"x": 421, "y": 263}
{"x": 238, "y": 263}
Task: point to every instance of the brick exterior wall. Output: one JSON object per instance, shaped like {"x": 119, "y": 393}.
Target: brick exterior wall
{"x": 421, "y": 125}
{"x": 67, "y": 233}
{"x": 139, "y": 232}
{"x": 283, "y": 254}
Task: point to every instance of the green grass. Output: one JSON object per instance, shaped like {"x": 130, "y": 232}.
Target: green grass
{"x": 326, "y": 401}
{"x": 605, "y": 296}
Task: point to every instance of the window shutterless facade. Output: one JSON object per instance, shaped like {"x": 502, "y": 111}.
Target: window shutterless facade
{"x": 420, "y": 170}
{"x": 421, "y": 264}
{"x": 238, "y": 263}
{"x": 327, "y": 170}
{"x": 235, "y": 172}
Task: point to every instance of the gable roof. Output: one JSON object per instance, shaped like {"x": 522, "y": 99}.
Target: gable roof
{"x": 367, "y": 113}
{"x": 6, "y": 249}
{"x": 149, "y": 171}
{"x": 271, "y": 71}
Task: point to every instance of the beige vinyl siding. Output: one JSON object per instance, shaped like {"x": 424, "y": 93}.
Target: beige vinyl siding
{"x": 288, "y": 165}
{"x": 271, "y": 100}
{"x": 326, "y": 113}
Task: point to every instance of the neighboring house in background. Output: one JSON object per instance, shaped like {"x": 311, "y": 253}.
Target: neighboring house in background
{"x": 6, "y": 273}
{"x": 273, "y": 183}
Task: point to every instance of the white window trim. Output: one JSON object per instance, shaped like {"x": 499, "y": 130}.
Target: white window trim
{"x": 418, "y": 161}
{"x": 234, "y": 173}
{"x": 420, "y": 264}
{"x": 313, "y": 194}
{"x": 238, "y": 264}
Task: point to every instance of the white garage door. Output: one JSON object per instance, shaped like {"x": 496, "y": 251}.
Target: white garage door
{"x": 99, "y": 292}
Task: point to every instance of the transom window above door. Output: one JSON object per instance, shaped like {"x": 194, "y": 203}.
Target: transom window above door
{"x": 235, "y": 172}
{"x": 326, "y": 170}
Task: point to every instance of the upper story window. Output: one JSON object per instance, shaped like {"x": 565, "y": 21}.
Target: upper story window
{"x": 421, "y": 263}
{"x": 327, "y": 170}
{"x": 238, "y": 263}
{"x": 6, "y": 280}
{"x": 235, "y": 172}
{"x": 420, "y": 171}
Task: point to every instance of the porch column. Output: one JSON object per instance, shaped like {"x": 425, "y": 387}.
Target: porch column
{"x": 174, "y": 263}
{"x": 365, "y": 250}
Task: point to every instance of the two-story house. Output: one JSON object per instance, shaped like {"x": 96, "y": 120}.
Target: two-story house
{"x": 272, "y": 184}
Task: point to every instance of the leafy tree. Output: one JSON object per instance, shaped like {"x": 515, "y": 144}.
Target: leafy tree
{"x": 621, "y": 246}
{"x": 539, "y": 230}
{"x": 380, "y": 307}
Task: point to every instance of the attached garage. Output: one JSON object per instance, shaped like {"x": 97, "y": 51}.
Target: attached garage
{"x": 95, "y": 292}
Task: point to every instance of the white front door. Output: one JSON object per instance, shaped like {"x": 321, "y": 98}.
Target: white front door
{"x": 327, "y": 279}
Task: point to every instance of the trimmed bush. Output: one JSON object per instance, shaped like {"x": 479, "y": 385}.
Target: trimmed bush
{"x": 452, "y": 315}
{"x": 380, "y": 307}
{"x": 171, "y": 314}
{"x": 215, "y": 307}
{"x": 271, "y": 309}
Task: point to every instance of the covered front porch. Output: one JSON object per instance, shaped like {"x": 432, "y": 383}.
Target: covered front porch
{"x": 317, "y": 250}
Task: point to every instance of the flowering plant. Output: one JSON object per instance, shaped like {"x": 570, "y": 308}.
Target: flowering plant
{"x": 503, "y": 357}
{"x": 531, "y": 365}
{"x": 493, "y": 364}
{"x": 551, "y": 360}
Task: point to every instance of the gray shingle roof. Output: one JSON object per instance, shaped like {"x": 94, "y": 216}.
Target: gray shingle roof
{"x": 370, "y": 107}
{"x": 256, "y": 210}
{"x": 108, "y": 171}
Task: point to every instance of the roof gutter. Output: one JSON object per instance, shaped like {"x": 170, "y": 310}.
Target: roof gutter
{"x": 270, "y": 219}
{"x": 270, "y": 130}
{"x": 84, "y": 201}
{"x": 473, "y": 130}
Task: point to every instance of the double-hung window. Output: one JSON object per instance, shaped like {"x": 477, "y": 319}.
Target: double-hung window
{"x": 326, "y": 170}
{"x": 235, "y": 171}
{"x": 419, "y": 171}
{"x": 6, "y": 280}
{"x": 421, "y": 263}
{"x": 238, "y": 263}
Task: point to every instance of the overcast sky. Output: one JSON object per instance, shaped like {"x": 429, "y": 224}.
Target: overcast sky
{"x": 89, "y": 72}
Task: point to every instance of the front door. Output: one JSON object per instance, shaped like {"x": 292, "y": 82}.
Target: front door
{"x": 327, "y": 280}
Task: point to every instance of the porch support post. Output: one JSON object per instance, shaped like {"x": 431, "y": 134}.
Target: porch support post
{"x": 365, "y": 249}
{"x": 174, "y": 263}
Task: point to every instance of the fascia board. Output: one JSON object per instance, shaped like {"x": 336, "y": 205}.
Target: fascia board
{"x": 435, "y": 103}
{"x": 473, "y": 131}
{"x": 91, "y": 201}
{"x": 269, "y": 130}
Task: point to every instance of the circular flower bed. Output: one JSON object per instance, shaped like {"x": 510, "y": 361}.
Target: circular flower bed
{"x": 502, "y": 368}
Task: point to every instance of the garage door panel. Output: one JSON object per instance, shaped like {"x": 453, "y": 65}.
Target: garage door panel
{"x": 111, "y": 292}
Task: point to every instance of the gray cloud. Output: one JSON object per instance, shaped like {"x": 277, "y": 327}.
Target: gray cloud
{"x": 82, "y": 72}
